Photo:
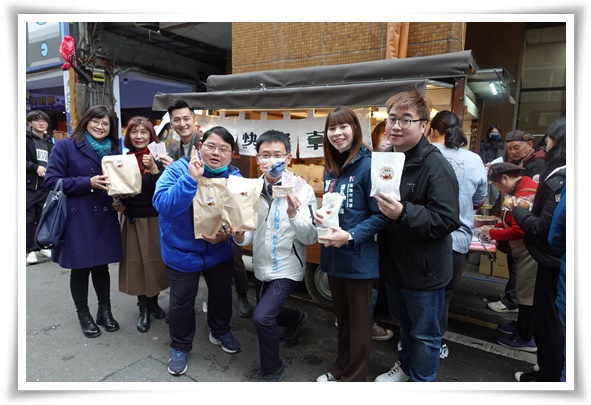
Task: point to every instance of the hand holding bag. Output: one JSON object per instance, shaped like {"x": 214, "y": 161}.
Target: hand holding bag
{"x": 124, "y": 175}
{"x": 54, "y": 214}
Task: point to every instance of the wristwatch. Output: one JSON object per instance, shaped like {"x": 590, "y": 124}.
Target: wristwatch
{"x": 351, "y": 242}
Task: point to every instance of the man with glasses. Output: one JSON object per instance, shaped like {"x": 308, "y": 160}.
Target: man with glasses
{"x": 182, "y": 120}
{"x": 416, "y": 245}
{"x": 520, "y": 147}
{"x": 279, "y": 252}
{"x": 39, "y": 145}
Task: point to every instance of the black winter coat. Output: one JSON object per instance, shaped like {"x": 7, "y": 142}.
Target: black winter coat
{"x": 416, "y": 248}
{"x": 536, "y": 224}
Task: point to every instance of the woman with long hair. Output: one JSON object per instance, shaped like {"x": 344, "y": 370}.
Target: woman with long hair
{"x": 350, "y": 255}
{"x": 547, "y": 329}
{"x": 92, "y": 238}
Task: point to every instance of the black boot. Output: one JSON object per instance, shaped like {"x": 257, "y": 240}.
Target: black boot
{"x": 155, "y": 309}
{"x": 143, "y": 323}
{"x": 105, "y": 318}
{"x": 89, "y": 328}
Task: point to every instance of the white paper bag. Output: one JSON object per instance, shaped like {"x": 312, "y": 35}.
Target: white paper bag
{"x": 386, "y": 173}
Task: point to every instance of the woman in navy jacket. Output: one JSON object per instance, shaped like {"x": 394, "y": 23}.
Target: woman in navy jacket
{"x": 92, "y": 238}
{"x": 350, "y": 254}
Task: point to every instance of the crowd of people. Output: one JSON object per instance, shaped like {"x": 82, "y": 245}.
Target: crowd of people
{"x": 416, "y": 244}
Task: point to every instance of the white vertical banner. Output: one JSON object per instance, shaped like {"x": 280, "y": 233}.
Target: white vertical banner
{"x": 364, "y": 121}
{"x": 66, "y": 75}
{"x": 310, "y": 137}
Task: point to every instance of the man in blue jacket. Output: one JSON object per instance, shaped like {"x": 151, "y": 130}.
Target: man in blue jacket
{"x": 416, "y": 245}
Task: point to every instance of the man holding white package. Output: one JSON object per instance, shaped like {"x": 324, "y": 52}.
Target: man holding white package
{"x": 416, "y": 246}
{"x": 285, "y": 227}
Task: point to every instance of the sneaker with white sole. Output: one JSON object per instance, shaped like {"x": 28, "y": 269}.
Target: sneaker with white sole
{"x": 32, "y": 258}
{"x": 516, "y": 342}
{"x": 379, "y": 333}
{"x": 46, "y": 253}
{"x": 228, "y": 342}
{"x": 395, "y": 374}
{"x": 177, "y": 364}
{"x": 443, "y": 351}
{"x": 498, "y": 306}
{"x": 328, "y": 377}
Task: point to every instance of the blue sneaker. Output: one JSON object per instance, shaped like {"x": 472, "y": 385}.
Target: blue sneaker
{"x": 177, "y": 364}
{"x": 509, "y": 328}
{"x": 515, "y": 342}
{"x": 228, "y": 342}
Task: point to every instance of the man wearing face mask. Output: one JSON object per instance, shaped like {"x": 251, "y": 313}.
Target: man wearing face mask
{"x": 279, "y": 252}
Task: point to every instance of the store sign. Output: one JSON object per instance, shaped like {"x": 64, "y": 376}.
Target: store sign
{"x": 43, "y": 44}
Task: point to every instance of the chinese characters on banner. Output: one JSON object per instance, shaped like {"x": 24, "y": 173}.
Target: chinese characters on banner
{"x": 305, "y": 134}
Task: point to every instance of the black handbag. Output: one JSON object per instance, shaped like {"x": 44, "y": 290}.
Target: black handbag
{"x": 54, "y": 214}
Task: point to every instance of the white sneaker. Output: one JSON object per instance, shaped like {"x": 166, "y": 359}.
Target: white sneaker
{"x": 328, "y": 377}
{"x": 498, "y": 306}
{"x": 443, "y": 351}
{"x": 394, "y": 375}
{"x": 46, "y": 253}
{"x": 32, "y": 258}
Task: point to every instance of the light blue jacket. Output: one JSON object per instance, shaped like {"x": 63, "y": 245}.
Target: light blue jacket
{"x": 472, "y": 183}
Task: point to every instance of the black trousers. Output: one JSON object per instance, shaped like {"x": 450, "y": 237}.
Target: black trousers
{"x": 183, "y": 292}
{"x": 35, "y": 200}
{"x": 547, "y": 327}
{"x": 101, "y": 281}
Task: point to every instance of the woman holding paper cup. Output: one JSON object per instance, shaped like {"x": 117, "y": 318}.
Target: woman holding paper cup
{"x": 142, "y": 271}
{"x": 349, "y": 252}
{"x": 92, "y": 238}
{"x": 187, "y": 257}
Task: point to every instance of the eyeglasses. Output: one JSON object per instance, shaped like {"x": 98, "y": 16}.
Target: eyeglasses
{"x": 276, "y": 156}
{"x": 104, "y": 124}
{"x": 223, "y": 150}
{"x": 403, "y": 122}
{"x": 39, "y": 121}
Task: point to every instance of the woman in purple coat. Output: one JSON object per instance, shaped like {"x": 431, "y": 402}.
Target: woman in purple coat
{"x": 92, "y": 238}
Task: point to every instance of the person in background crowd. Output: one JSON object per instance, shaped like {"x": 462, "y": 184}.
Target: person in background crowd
{"x": 416, "y": 245}
{"x": 379, "y": 142}
{"x": 92, "y": 238}
{"x": 142, "y": 271}
{"x": 536, "y": 225}
{"x": 557, "y": 239}
{"x": 183, "y": 122}
{"x": 521, "y": 153}
{"x": 350, "y": 255}
{"x": 186, "y": 258}
{"x": 447, "y": 135}
{"x": 286, "y": 225}
{"x": 39, "y": 145}
{"x": 493, "y": 146}
{"x": 510, "y": 181}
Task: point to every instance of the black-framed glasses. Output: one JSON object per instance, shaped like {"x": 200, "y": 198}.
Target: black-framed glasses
{"x": 403, "y": 122}
{"x": 276, "y": 156}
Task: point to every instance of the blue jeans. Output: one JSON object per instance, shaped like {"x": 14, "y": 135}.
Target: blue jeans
{"x": 269, "y": 314}
{"x": 418, "y": 314}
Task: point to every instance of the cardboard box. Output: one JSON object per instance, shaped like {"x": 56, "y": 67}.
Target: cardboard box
{"x": 497, "y": 268}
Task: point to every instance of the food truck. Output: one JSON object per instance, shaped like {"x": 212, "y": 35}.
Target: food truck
{"x": 296, "y": 101}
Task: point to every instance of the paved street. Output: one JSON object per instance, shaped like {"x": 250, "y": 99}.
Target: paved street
{"x": 57, "y": 354}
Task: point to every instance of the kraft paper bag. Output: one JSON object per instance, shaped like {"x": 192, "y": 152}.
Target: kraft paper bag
{"x": 207, "y": 206}
{"x": 241, "y": 203}
{"x": 124, "y": 174}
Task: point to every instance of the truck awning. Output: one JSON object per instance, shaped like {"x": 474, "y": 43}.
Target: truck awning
{"x": 364, "y": 84}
